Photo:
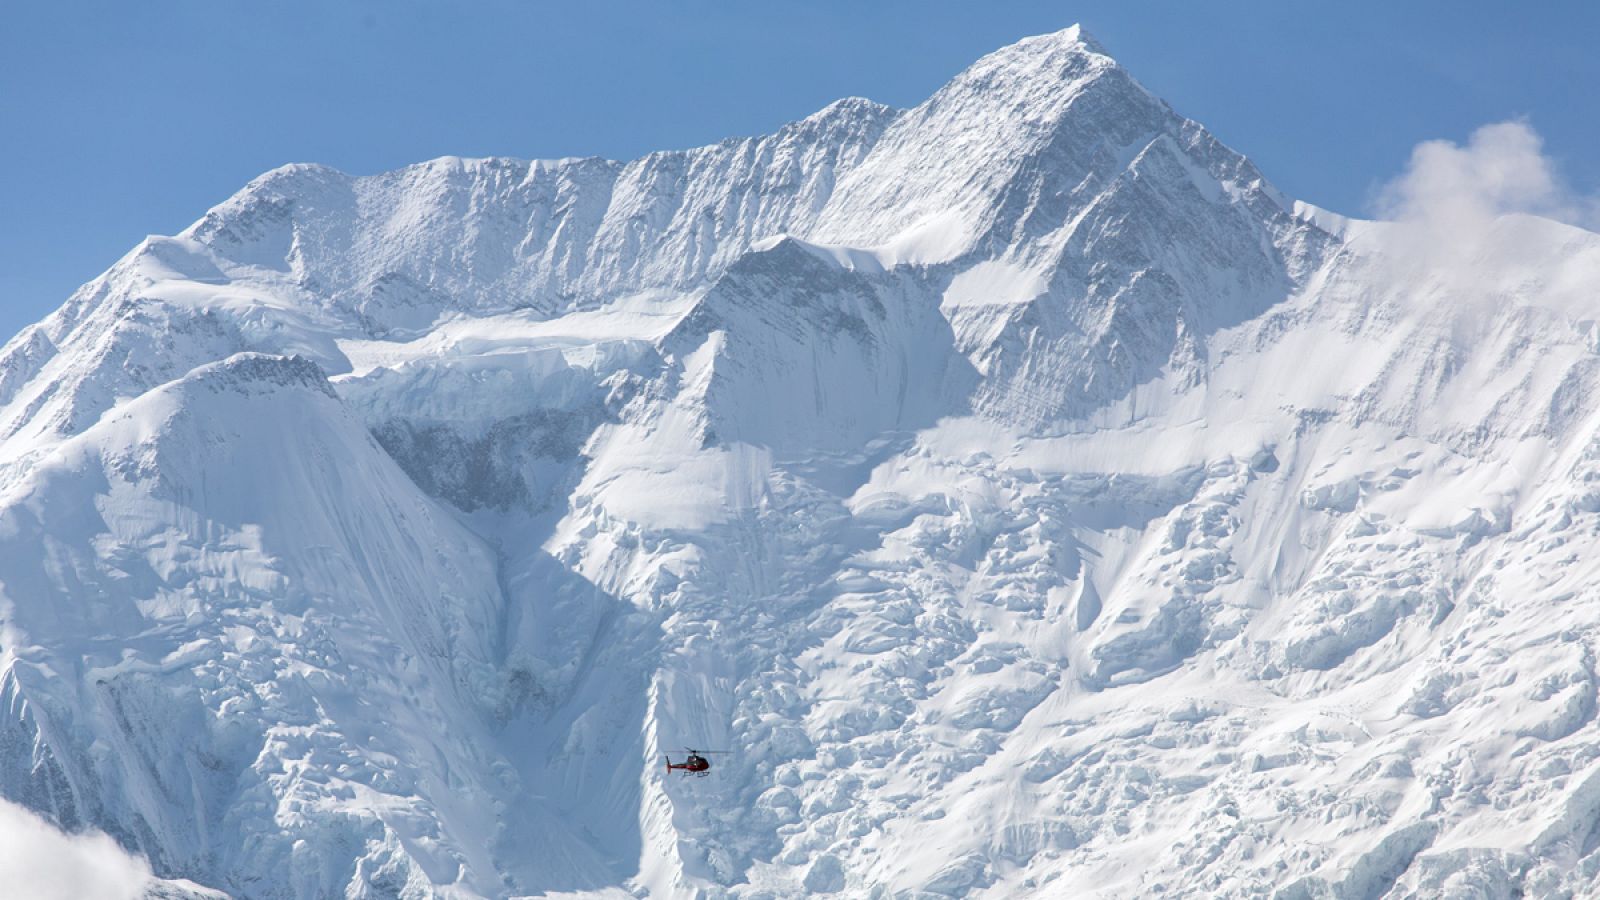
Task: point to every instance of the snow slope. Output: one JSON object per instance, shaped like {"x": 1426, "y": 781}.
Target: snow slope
{"x": 1034, "y": 499}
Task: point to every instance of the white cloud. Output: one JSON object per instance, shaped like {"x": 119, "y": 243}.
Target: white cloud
{"x": 1448, "y": 230}
{"x": 1502, "y": 169}
{"x": 39, "y": 861}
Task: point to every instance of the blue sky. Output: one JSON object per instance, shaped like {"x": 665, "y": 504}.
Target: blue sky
{"x": 123, "y": 119}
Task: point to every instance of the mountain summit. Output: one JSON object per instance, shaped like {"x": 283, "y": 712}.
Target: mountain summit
{"x": 1033, "y": 499}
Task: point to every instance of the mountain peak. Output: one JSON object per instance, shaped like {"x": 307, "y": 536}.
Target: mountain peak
{"x": 935, "y": 182}
{"x": 1071, "y": 37}
{"x": 1039, "y": 69}
{"x": 850, "y": 106}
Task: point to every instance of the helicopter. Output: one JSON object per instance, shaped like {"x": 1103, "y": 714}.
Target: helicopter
{"x": 695, "y": 764}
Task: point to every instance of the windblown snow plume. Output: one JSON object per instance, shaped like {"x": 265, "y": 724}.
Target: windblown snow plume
{"x": 1033, "y": 499}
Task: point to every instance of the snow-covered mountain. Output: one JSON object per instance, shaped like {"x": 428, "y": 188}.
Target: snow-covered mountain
{"x": 1034, "y": 500}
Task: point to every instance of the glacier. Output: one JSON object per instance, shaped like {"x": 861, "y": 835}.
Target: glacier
{"x": 1034, "y": 499}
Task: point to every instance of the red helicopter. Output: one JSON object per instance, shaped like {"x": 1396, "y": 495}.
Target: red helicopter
{"x": 695, "y": 764}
